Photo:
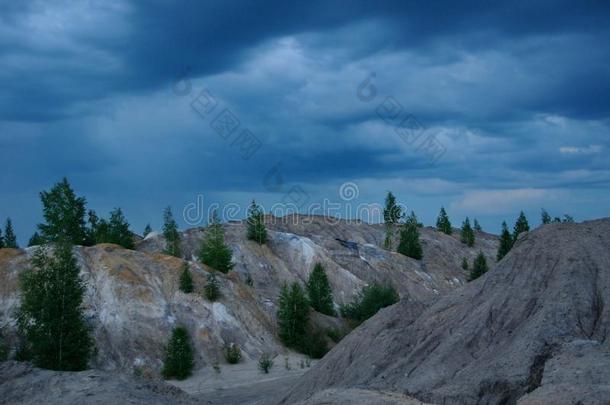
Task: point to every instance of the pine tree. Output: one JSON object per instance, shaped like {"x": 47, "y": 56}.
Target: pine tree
{"x": 467, "y": 234}
{"x": 171, "y": 234}
{"x": 442, "y": 222}
{"x": 51, "y": 315}
{"x": 186, "y": 281}
{"x": 479, "y": 267}
{"x": 36, "y": 240}
{"x": 64, "y": 214}
{"x": 477, "y": 226}
{"x": 147, "y": 230}
{"x": 409, "y": 244}
{"x": 545, "y": 217}
{"x": 10, "y": 240}
{"x": 118, "y": 230}
{"x": 293, "y": 315}
{"x": 392, "y": 214}
{"x": 520, "y": 226}
{"x": 506, "y": 242}
{"x": 211, "y": 289}
{"x": 179, "y": 355}
{"x": 256, "y": 224}
{"x": 214, "y": 252}
{"x": 319, "y": 291}
{"x": 1, "y": 240}
{"x": 465, "y": 264}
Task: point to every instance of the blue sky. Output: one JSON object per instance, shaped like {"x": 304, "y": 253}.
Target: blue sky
{"x": 135, "y": 101}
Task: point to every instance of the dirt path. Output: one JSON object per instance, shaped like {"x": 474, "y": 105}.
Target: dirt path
{"x": 244, "y": 383}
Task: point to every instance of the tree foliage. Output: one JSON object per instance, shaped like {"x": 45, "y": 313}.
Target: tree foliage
{"x": 319, "y": 291}
{"x": 392, "y": 214}
{"x": 212, "y": 288}
{"x": 10, "y": 239}
{"x": 214, "y": 252}
{"x": 371, "y": 299}
{"x": 179, "y": 355}
{"x": 51, "y": 316}
{"x": 465, "y": 264}
{"x": 171, "y": 234}
{"x": 36, "y": 240}
{"x": 467, "y": 233}
{"x": 409, "y": 244}
{"x": 521, "y": 225}
{"x": 186, "y": 280}
{"x": 442, "y": 222}
{"x": 64, "y": 215}
{"x": 115, "y": 230}
{"x": 545, "y": 217}
{"x": 293, "y": 315}
{"x": 147, "y": 230}
{"x": 479, "y": 267}
{"x": 256, "y": 230}
{"x": 506, "y": 242}
{"x": 477, "y": 226}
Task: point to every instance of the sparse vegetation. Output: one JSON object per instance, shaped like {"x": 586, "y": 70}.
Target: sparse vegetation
{"x": 265, "y": 362}
{"x": 442, "y": 222}
{"x": 319, "y": 291}
{"x": 212, "y": 288}
{"x": 214, "y": 252}
{"x": 409, "y": 244}
{"x": 171, "y": 234}
{"x": 467, "y": 233}
{"x": 233, "y": 353}
{"x": 186, "y": 280}
{"x": 256, "y": 224}
{"x": 51, "y": 318}
{"x": 479, "y": 267}
{"x": 371, "y": 299}
{"x": 178, "y": 356}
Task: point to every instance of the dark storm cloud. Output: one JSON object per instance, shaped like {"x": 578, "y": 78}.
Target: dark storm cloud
{"x": 518, "y": 94}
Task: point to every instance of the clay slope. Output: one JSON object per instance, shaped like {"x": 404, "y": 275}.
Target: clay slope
{"x": 534, "y": 330}
{"x": 133, "y": 300}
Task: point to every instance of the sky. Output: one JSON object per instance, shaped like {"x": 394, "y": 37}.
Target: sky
{"x": 485, "y": 109}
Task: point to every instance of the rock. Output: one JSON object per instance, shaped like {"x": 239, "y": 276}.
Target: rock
{"x": 533, "y": 330}
{"x": 21, "y": 383}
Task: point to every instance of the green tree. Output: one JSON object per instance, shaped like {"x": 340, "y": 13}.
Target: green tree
{"x": 319, "y": 291}
{"x": 371, "y": 299}
{"x": 479, "y": 267}
{"x": 442, "y": 222}
{"x": 36, "y": 240}
{"x": 256, "y": 224}
{"x": 506, "y": 242}
{"x": 179, "y": 355}
{"x": 467, "y": 234}
{"x": 51, "y": 315}
{"x": 212, "y": 288}
{"x": 545, "y": 217}
{"x": 567, "y": 219}
{"x": 1, "y": 240}
{"x": 214, "y": 252}
{"x": 520, "y": 226}
{"x": 464, "y": 264}
{"x": 147, "y": 230}
{"x": 409, "y": 244}
{"x": 392, "y": 214}
{"x": 171, "y": 234}
{"x": 186, "y": 281}
{"x": 477, "y": 226}
{"x": 293, "y": 315}
{"x": 10, "y": 240}
{"x": 118, "y": 230}
{"x": 64, "y": 214}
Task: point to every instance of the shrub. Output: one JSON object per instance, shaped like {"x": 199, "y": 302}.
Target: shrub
{"x": 3, "y": 350}
{"x": 464, "y": 264}
{"x": 265, "y": 363}
{"x": 233, "y": 353}
{"x": 336, "y": 335}
{"x": 179, "y": 355}
{"x": 314, "y": 343}
{"x": 479, "y": 267}
{"x": 186, "y": 281}
{"x": 370, "y": 300}
{"x": 467, "y": 234}
{"x": 212, "y": 289}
